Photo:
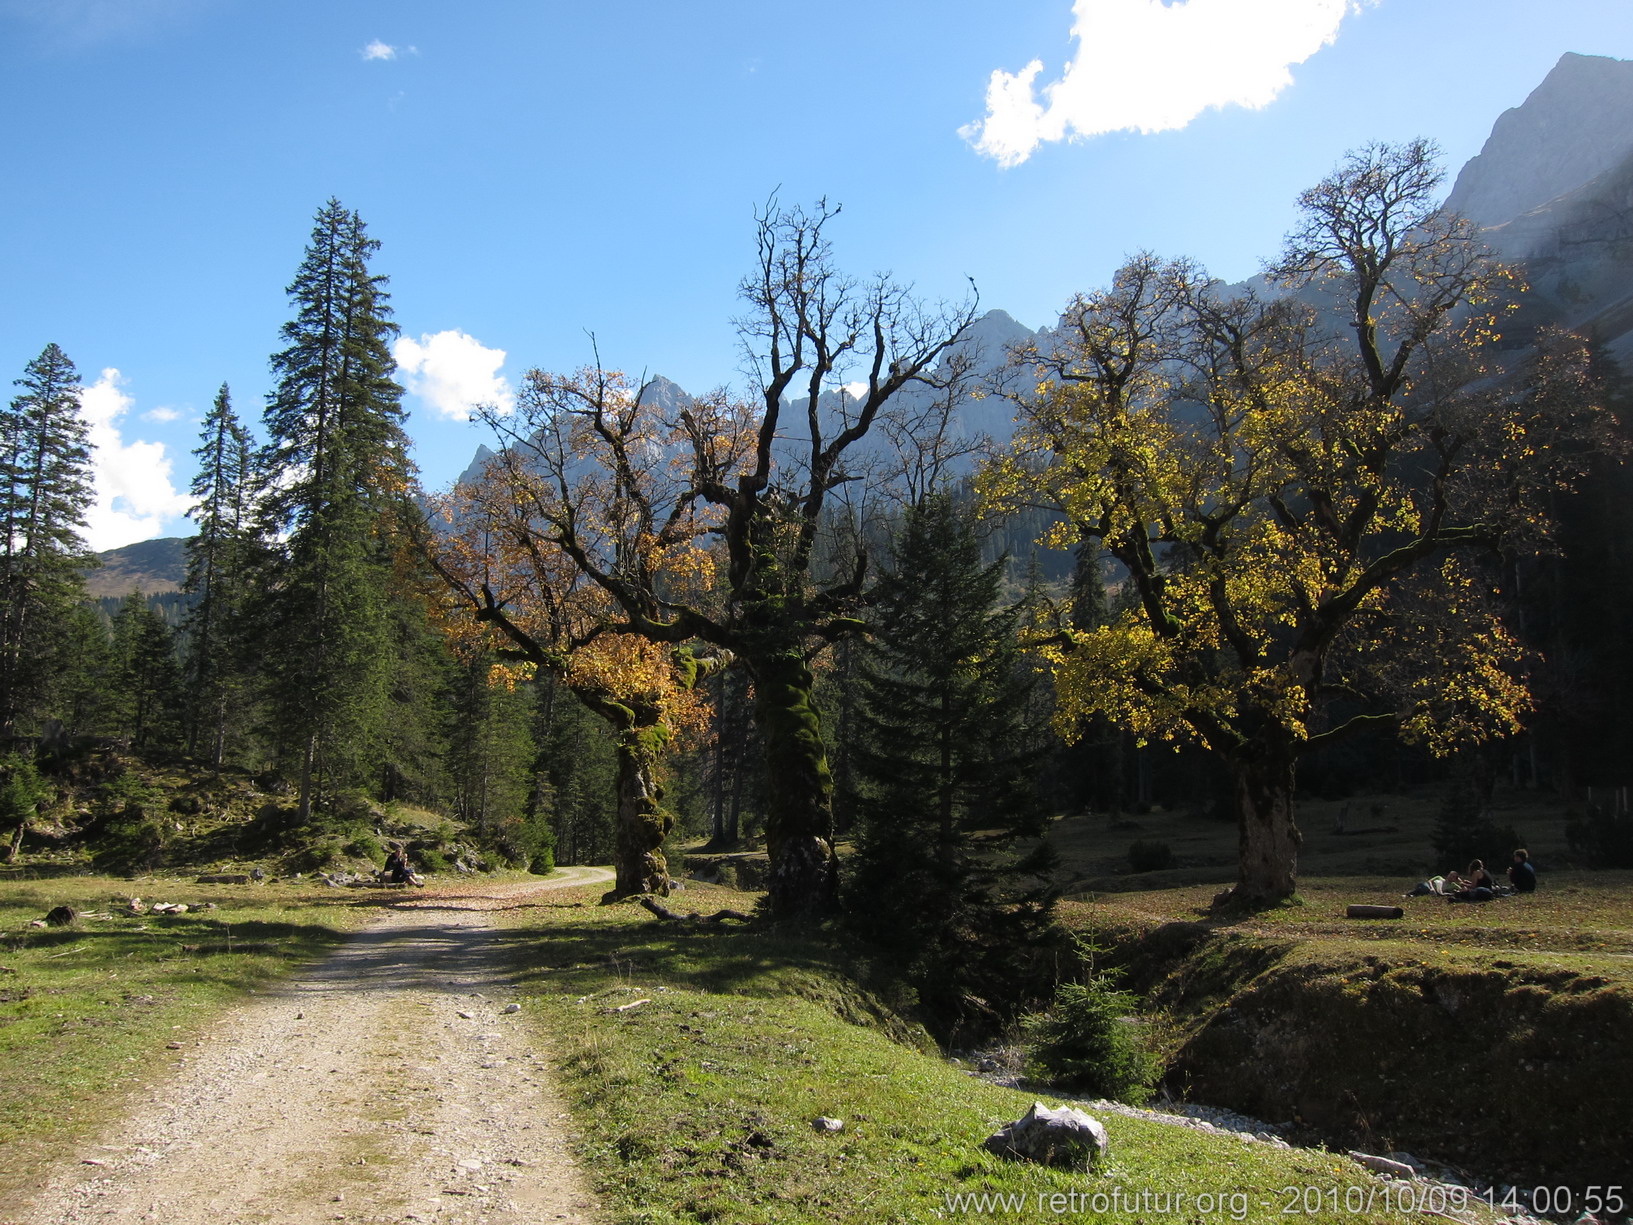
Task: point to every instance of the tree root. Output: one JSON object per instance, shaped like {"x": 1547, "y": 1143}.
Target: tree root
{"x": 674, "y": 916}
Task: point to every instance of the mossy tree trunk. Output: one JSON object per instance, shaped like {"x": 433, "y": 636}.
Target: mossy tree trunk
{"x": 643, "y": 821}
{"x": 799, "y": 788}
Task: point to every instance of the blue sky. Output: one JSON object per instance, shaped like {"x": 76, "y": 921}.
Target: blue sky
{"x": 539, "y": 171}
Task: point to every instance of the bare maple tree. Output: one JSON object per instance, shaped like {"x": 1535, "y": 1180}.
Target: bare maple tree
{"x": 701, "y": 519}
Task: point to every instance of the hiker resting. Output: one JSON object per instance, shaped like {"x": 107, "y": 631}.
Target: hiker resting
{"x": 1521, "y": 874}
{"x": 397, "y": 871}
{"x": 1478, "y": 885}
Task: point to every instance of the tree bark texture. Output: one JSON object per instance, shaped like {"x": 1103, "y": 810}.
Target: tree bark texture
{"x": 803, "y": 879}
{"x": 1268, "y": 837}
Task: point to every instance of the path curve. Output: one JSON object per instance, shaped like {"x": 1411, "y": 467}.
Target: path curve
{"x": 385, "y": 1084}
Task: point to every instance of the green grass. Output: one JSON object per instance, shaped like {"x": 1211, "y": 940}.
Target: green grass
{"x": 1580, "y": 919}
{"x": 697, "y": 1104}
{"x": 1300, "y": 1012}
{"x": 87, "y": 1012}
{"x": 1389, "y": 835}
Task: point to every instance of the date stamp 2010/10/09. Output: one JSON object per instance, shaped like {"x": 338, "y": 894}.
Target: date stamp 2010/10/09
{"x": 1404, "y": 1198}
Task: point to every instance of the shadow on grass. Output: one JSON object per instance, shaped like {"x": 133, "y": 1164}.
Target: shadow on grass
{"x": 562, "y": 953}
{"x": 46, "y": 871}
{"x": 578, "y": 956}
{"x": 176, "y": 938}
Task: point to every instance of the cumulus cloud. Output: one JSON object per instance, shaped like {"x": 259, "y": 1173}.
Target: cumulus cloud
{"x": 134, "y": 497}
{"x": 1153, "y": 66}
{"x": 162, "y": 414}
{"x": 453, "y": 373}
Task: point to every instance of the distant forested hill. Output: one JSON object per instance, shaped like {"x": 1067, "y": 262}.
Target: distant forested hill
{"x": 151, "y": 566}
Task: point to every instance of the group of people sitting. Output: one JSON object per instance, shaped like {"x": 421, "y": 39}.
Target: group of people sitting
{"x": 1477, "y": 884}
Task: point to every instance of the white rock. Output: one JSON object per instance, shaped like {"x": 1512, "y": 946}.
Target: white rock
{"x": 1061, "y": 1137}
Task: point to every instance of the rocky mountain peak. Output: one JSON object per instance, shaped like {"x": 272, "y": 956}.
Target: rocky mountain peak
{"x": 1573, "y": 127}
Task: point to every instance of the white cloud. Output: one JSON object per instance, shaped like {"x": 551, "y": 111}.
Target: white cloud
{"x": 380, "y": 50}
{"x": 453, "y": 373}
{"x": 1153, "y": 66}
{"x": 134, "y": 497}
{"x": 162, "y": 414}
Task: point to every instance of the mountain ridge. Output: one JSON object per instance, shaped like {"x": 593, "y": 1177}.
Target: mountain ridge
{"x": 153, "y": 567}
{"x": 1574, "y": 126}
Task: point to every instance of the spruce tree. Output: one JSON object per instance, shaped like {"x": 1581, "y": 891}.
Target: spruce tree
{"x": 85, "y": 696}
{"x": 338, "y": 468}
{"x": 147, "y": 676}
{"x": 491, "y": 761}
{"x": 574, "y": 776}
{"x": 945, "y": 757}
{"x": 45, "y": 489}
{"x": 219, "y": 561}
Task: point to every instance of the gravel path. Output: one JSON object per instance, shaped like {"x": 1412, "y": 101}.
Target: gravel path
{"x": 386, "y": 1084}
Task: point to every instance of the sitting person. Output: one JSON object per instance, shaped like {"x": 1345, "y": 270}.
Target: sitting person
{"x": 1477, "y": 885}
{"x": 397, "y": 870}
{"x": 1521, "y": 874}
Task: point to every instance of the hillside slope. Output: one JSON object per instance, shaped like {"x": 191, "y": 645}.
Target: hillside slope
{"x": 152, "y": 567}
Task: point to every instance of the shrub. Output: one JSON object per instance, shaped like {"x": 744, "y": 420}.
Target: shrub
{"x": 1088, "y": 1041}
{"x": 21, "y": 792}
{"x": 1457, "y": 840}
{"x": 366, "y": 846}
{"x": 1464, "y": 828}
{"x": 1151, "y": 856}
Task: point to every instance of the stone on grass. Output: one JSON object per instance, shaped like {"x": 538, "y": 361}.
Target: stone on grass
{"x": 1383, "y": 1165}
{"x": 823, "y": 1123}
{"x": 1063, "y": 1137}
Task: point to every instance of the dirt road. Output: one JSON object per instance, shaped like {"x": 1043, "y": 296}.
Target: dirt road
{"x": 386, "y": 1084}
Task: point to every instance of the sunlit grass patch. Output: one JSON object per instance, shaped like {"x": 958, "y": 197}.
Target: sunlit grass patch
{"x": 697, "y": 1059}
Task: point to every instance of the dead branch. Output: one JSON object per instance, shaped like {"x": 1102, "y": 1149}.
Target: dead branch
{"x": 674, "y": 916}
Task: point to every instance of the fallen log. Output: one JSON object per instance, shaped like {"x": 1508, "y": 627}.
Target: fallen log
{"x": 1374, "y": 912}
{"x": 674, "y": 916}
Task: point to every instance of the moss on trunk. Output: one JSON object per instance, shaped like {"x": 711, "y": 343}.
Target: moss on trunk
{"x": 799, "y": 800}
{"x": 643, "y": 822}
